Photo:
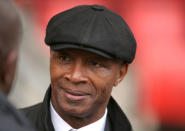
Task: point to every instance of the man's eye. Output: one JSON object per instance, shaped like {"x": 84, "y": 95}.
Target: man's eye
{"x": 97, "y": 64}
{"x": 65, "y": 58}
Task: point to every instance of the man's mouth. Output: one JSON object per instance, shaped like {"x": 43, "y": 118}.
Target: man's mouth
{"x": 75, "y": 95}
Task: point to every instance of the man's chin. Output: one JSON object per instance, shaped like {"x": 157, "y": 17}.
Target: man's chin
{"x": 76, "y": 112}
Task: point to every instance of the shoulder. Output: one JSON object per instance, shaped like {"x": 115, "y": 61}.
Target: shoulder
{"x": 10, "y": 116}
{"x": 32, "y": 112}
{"x": 31, "y": 109}
{"x": 117, "y": 117}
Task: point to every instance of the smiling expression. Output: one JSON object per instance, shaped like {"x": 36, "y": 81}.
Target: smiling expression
{"x": 82, "y": 82}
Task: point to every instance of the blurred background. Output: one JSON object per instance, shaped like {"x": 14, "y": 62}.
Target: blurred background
{"x": 153, "y": 92}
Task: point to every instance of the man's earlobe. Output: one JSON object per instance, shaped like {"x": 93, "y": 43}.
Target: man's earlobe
{"x": 116, "y": 83}
{"x": 122, "y": 73}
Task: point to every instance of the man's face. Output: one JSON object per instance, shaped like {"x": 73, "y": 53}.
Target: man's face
{"x": 82, "y": 82}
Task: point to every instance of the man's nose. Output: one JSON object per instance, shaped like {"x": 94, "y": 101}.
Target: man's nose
{"x": 77, "y": 73}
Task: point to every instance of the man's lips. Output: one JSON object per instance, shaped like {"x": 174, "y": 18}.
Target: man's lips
{"x": 75, "y": 95}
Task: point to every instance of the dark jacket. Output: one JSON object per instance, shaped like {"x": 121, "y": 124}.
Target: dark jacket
{"x": 40, "y": 116}
{"x": 10, "y": 118}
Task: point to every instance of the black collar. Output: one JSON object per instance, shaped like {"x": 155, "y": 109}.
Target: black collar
{"x": 46, "y": 115}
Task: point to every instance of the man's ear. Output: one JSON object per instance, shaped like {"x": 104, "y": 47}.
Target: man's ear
{"x": 122, "y": 73}
{"x": 9, "y": 67}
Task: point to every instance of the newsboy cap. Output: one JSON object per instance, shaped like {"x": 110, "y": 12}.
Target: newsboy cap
{"x": 92, "y": 28}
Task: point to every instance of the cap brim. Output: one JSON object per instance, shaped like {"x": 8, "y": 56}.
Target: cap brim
{"x": 57, "y": 47}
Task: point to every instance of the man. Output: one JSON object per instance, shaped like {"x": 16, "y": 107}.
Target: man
{"x": 10, "y": 34}
{"x": 90, "y": 49}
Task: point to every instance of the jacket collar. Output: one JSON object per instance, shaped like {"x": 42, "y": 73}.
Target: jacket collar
{"x": 46, "y": 117}
{"x": 117, "y": 117}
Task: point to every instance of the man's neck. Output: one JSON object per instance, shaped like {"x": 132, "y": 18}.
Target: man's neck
{"x": 78, "y": 122}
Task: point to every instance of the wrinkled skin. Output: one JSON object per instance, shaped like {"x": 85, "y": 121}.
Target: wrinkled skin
{"x": 81, "y": 84}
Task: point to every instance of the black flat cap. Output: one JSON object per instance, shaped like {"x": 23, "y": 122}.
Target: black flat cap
{"x": 92, "y": 28}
